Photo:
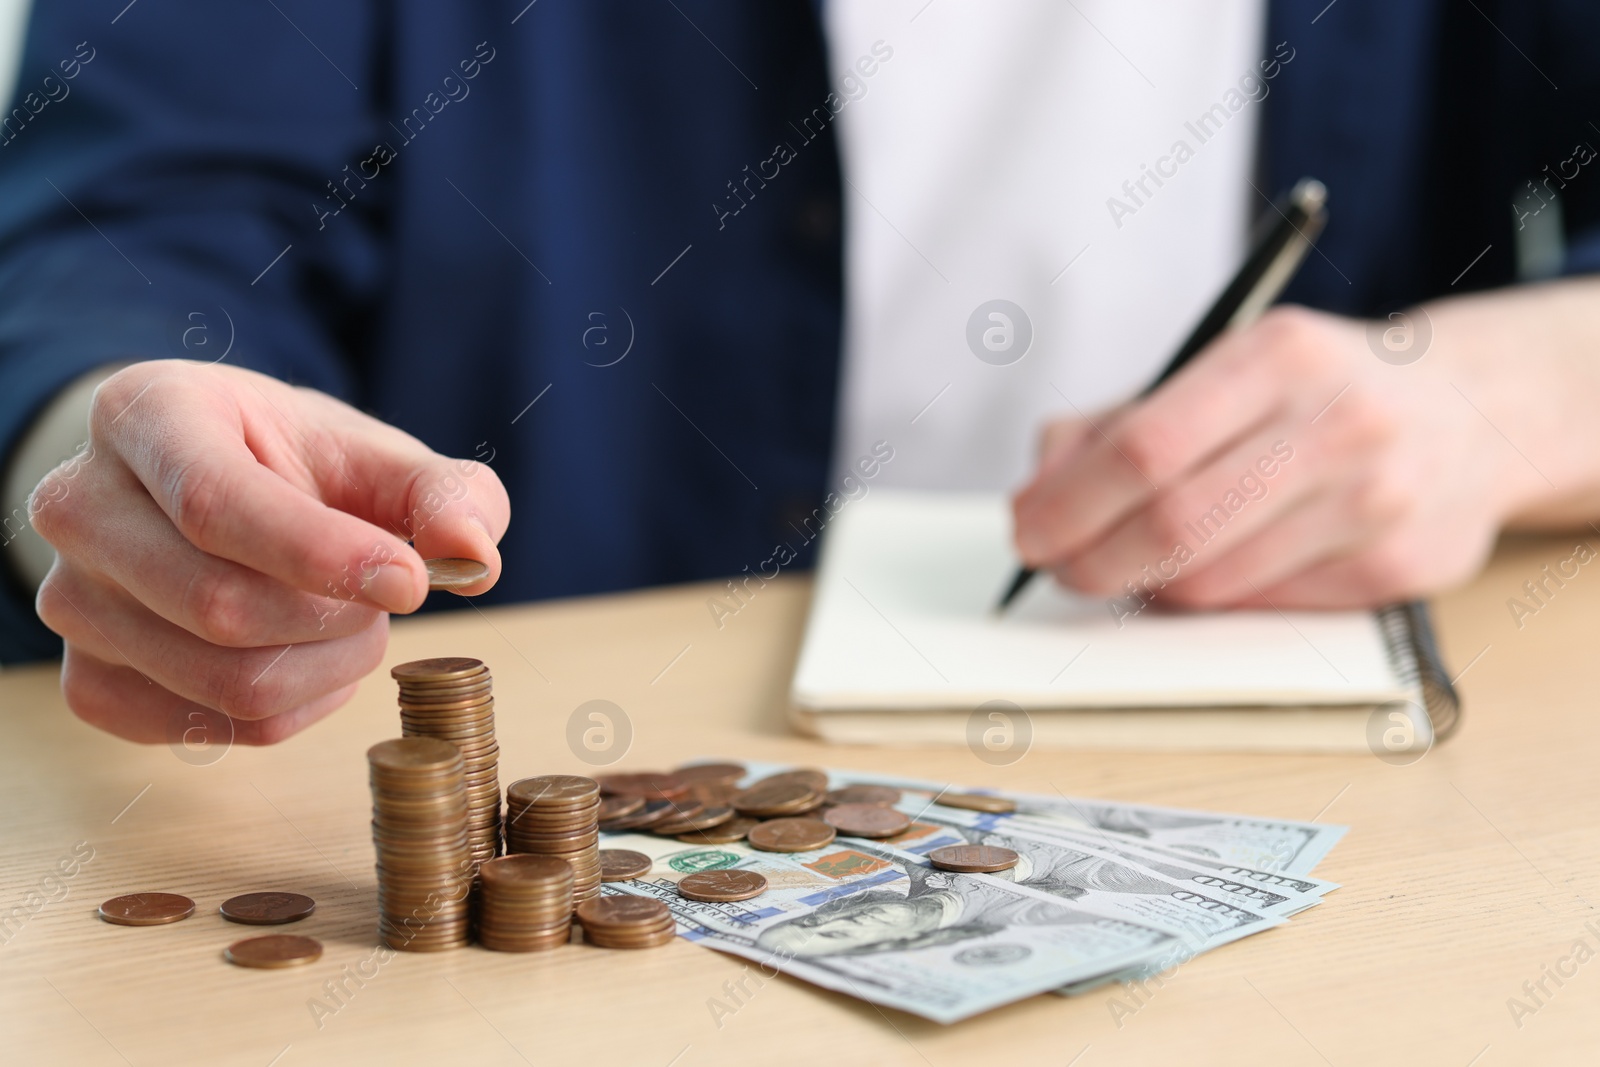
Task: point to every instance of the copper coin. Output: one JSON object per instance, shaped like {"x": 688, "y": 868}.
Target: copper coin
{"x": 710, "y": 772}
{"x": 653, "y": 939}
{"x": 977, "y": 802}
{"x": 791, "y": 835}
{"x": 615, "y": 807}
{"x": 454, "y": 573}
{"x": 553, "y": 791}
{"x": 523, "y": 869}
{"x": 704, "y": 819}
{"x": 412, "y": 692}
{"x": 620, "y": 913}
{"x": 776, "y": 798}
{"x": 805, "y": 775}
{"x": 267, "y": 909}
{"x": 632, "y": 935}
{"x": 649, "y": 784}
{"x": 970, "y": 859}
{"x": 408, "y": 756}
{"x": 621, "y": 864}
{"x": 865, "y": 794}
{"x": 682, "y": 810}
{"x": 720, "y": 886}
{"x": 146, "y": 909}
{"x": 274, "y": 951}
{"x": 866, "y": 820}
{"x": 717, "y": 794}
{"x": 438, "y": 669}
{"x": 733, "y": 830}
{"x": 654, "y": 811}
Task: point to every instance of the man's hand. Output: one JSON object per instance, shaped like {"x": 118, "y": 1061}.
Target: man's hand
{"x": 1288, "y": 465}
{"x": 234, "y": 543}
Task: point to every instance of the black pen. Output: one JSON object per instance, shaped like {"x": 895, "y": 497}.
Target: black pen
{"x": 1284, "y": 235}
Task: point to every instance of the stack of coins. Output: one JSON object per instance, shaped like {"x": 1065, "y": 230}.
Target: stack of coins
{"x": 626, "y": 922}
{"x": 526, "y": 903}
{"x": 558, "y": 815}
{"x": 419, "y": 827}
{"x": 452, "y": 698}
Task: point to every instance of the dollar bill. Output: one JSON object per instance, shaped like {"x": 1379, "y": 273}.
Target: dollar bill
{"x": 1276, "y": 845}
{"x": 1097, "y": 879}
{"x": 1196, "y": 903}
{"x": 879, "y": 923}
{"x": 1269, "y": 891}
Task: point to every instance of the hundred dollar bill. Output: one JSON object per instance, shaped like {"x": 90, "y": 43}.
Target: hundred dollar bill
{"x": 1269, "y": 891}
{"x": 1095, "y": 878}
{"x": 1284, "y": 845}
{"x": 881, "y": 924}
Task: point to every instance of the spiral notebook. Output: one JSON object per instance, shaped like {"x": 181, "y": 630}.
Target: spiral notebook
{"x": 903, "y": 647}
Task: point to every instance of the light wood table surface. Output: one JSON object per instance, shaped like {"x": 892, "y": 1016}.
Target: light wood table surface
{"x": 1465, "y": 874}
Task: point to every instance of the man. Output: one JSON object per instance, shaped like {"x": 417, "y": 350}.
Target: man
{"x": 596, "y": 251}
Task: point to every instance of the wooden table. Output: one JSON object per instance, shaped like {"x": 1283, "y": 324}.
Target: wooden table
{"x": 1464, "y": 875}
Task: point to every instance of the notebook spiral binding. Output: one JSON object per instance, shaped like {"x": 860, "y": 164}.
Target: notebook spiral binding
{"x": 1408, "y": 632}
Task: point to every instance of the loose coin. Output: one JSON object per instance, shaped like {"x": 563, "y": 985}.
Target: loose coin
{"x": 768, "y": 799}
{"x": 805, "y": 775}
{"x": 866, "y": 820}
{"x": 454, "y": 573}
{"x": 146, "y": 909}
{"x": 710, "y": 772}
{"x": 717, "y": 794}
{"x": 704, "y": 819}
{"x": 971, "y": 859}
{"x": 791, "y": 835}
{"x": 977, "y": 802}
{"x": 621, "y": 864}
{"x": 727, "y": 833}
{"x": 274, "y": 951}
{"x": 616, "y": 807}
{"x": 865, "y": 794}
{"x": 720, "y": 886}
{"x": 650, "y": 785}
{"x": 267, "y": 909}
{"x": 654, "y": 811}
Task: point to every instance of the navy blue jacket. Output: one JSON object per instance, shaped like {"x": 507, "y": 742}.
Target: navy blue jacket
{"x": 448, "y": 212}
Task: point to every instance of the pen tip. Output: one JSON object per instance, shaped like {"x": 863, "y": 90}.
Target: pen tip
{"x": 1310, "y": 195}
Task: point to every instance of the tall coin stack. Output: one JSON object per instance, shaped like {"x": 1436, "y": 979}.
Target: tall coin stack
{"x": 419, "y": 828}
{"x": 526, "y": 904}
{"x": 558, "y": 815}
{"x": 452, "y": 698}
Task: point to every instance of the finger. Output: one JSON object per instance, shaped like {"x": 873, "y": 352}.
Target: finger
{"x": 1131, "y": 461}
{"x": 1231, "y": 389}
{"x": 120, "y": 701}
{"x": 1060, "y": 439}
{"x": 194, "y": 446}
{"x": 1389, "y": 568}
{"x": 1190, "y": 525}
{"x": 255, "y": 683}
{"x": 107, "y": 523}
{"x": 1314, "y": 531}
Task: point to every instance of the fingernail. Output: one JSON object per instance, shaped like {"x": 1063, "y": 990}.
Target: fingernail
{"x": 482, "y": 527}
{"x": 392, "y": 588}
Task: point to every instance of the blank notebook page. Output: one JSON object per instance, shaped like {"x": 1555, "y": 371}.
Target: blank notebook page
{"x": 902, "y": 619}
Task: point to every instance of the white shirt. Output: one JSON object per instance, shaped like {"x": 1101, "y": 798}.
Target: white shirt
{"x": 985, "y": 158}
